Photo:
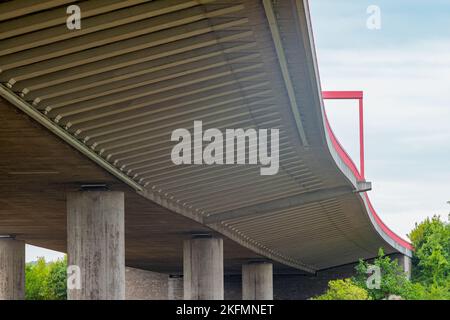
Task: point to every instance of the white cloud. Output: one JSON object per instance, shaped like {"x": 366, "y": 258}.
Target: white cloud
{"x": 407, "y": 121}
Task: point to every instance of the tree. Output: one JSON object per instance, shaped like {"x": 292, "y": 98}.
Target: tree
{"x": 344, "y": 289}
{"x": 393, "y": 280}
{"x": 57, "y": 280}
{"x": 46, "y": 281}
{"x": 36, "y": 274}
{"x": 431, "y": 258}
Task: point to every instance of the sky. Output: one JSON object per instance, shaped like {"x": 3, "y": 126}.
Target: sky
{"x": 32, "y": 253}
{"x": 404, "y": 70}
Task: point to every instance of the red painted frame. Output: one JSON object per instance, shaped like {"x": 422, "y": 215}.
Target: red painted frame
{"x": 349, "y": 95}
{"x": 352, "y": 95}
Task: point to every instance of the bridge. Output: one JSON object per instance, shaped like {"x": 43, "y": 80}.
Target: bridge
{"x": 86, "y": 120}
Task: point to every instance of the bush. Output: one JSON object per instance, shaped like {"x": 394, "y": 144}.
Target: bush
{"x": 430, "y": 273}
{"x": 393, "y": 280}
{"x": 57, "y": 280}
{"x": 36, "y": 274}
{"x": 344, "y": 289}
{"x": 46, "y": 281}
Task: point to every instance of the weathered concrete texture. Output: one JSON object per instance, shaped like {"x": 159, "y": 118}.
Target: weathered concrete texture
{"x": 257, "y": 281}
{"x": 203, "y": 269}
{"x": 12, "y": 269}
{"x": 145, "y": 285}
{"x": 96, "y": 244}
{"x": 175, "y": 288}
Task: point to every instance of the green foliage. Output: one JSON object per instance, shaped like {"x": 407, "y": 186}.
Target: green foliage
{"x": 419, "y": 291}
{"x": 431, "y": 269}
{"x": 45, "y": 281}
{"x": 57, "y": 280}
{"x": 431, "y": 259}
{"x": 343, "y": 289}
{"x": 393, "y": 280}
{"x": 36, "y": 275}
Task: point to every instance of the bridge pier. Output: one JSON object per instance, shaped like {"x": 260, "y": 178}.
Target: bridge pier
{"x": 404, "y": 262}
{"x": 203, "y": 269}
{"x": 96, "y": 245}
{"x": 12, "y": 269}
{"x": 257, "y": 281}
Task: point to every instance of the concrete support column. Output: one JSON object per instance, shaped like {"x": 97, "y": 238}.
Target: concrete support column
{"x": 12, "y": 269}
{"x": 406, "y": 264}
{"x": 257, "y": 281}
{"x": 203, "y": 269}
{"x": 96, "y": 244}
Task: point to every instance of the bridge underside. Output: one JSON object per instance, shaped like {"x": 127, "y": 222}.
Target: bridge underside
{"x": 36, "y": 172}
{"x": 116, "y": 89}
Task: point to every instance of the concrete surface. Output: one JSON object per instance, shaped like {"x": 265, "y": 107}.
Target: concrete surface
{"x": 12, "y": 269}
{"x": 203, "y": 269}
{"x": 96, "y": 244}
{"x": 257, "y": 281}
{"x": 145, "y": 285}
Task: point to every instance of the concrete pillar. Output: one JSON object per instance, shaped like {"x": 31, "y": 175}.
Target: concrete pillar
{"x": 405, "y": 263}
{"x": 12, "y": 269}
{"x": 175, "y": 288}
{"x": 203, "y": 269}
{"x": 96, "y": 244}
{"x": 257, "y": 281}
